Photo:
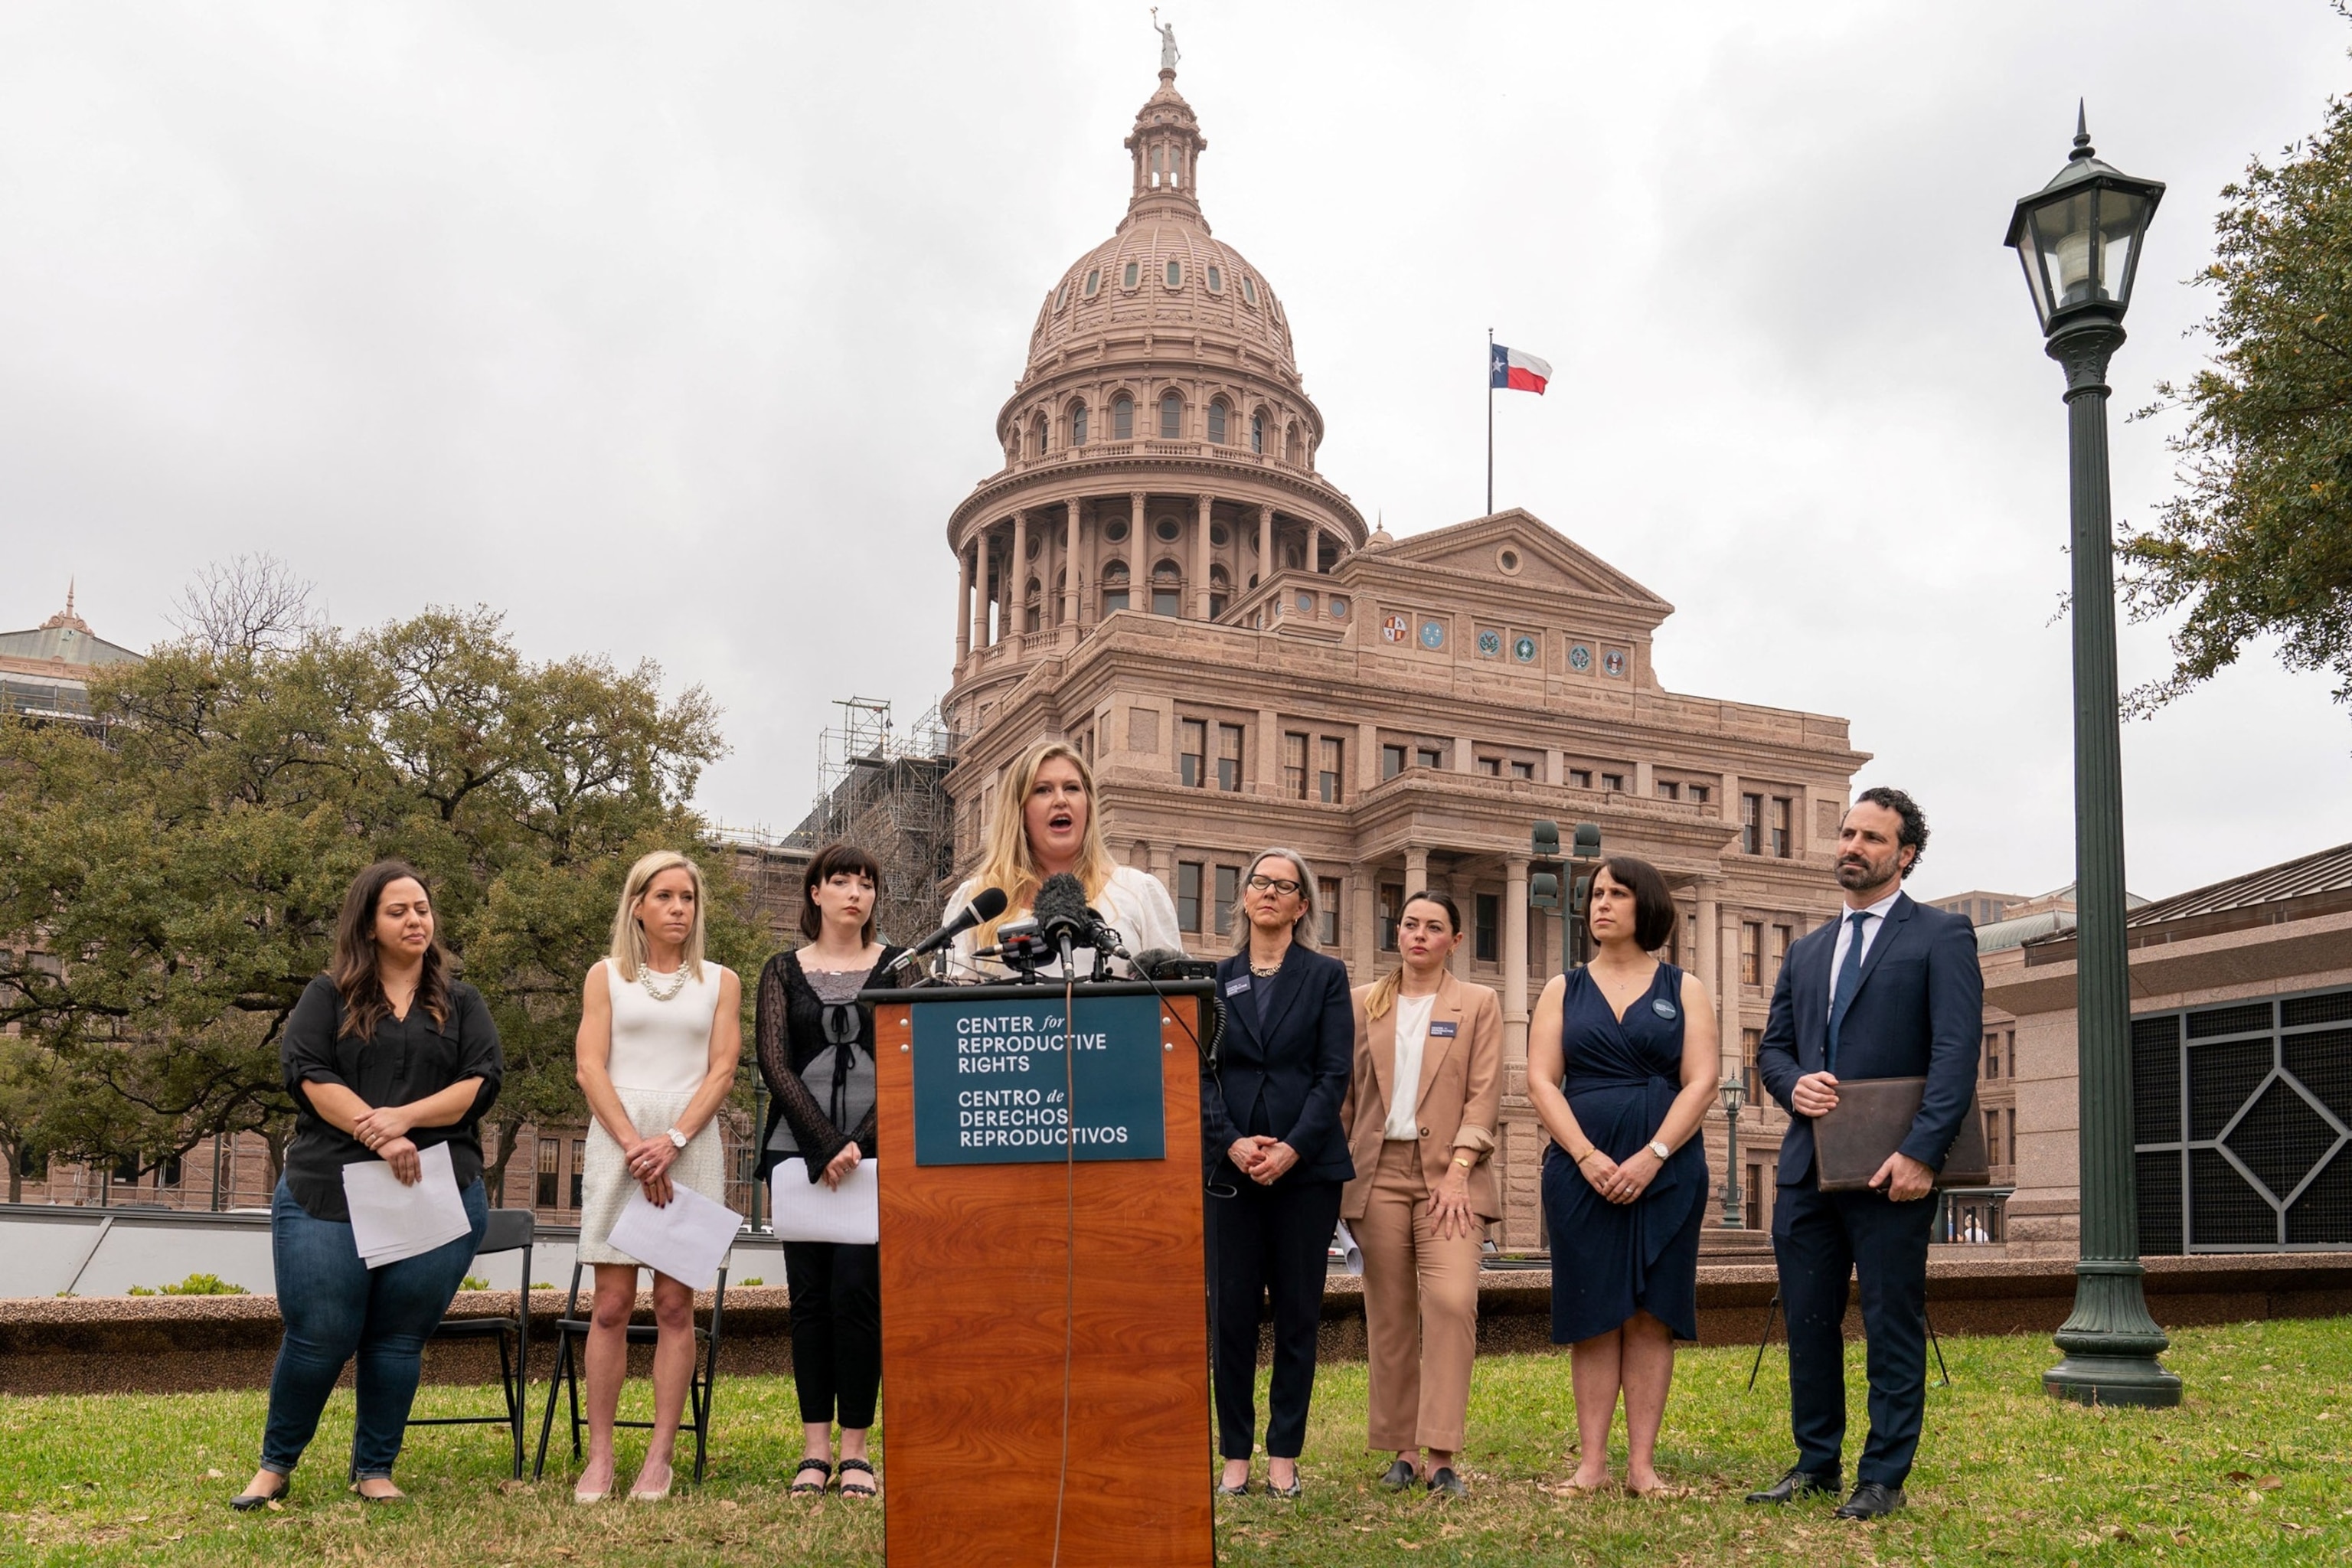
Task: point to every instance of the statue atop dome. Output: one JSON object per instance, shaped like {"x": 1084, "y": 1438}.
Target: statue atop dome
{"x": 1168, "y": 52}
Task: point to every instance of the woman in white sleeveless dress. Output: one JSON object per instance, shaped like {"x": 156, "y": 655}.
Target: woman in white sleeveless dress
{"x": 660, "y": 1032}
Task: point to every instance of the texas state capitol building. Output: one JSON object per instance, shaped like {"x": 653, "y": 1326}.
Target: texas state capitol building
{"x": 1160, "y": 573}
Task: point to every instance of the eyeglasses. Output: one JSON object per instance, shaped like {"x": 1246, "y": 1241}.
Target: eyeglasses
{"x": 1282, "y": 885}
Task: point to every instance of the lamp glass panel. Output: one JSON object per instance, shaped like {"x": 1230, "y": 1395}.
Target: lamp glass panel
{"x": 2063, "y": 234}
{"x": 2122, "y": 214}
{"x": 2037, "y": 281}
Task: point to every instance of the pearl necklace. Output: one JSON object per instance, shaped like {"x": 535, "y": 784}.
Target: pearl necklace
{"x": 677, "y": 980}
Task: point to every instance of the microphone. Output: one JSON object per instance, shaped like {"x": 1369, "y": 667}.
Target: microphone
{"x": 986, "y": 905}
{"x": 1156, "y": 964}
{"x": 1063, "y": 917}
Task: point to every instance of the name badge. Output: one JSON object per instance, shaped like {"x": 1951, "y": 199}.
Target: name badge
{"x": 1444, "y": 1031}
{"x": 1663, "y": 1009}
{"x": 1234, "y": 988}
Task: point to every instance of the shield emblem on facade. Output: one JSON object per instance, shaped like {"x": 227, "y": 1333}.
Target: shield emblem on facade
{"x": 1394, "y": 628}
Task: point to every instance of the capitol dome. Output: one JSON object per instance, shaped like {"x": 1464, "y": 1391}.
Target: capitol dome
{"x": 1159, "y": 447}
{"x": 1162, "y": 268}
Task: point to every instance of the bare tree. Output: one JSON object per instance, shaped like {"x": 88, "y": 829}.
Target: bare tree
{"x": 253, "y": 604}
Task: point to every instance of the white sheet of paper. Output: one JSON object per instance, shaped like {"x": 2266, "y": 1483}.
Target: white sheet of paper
{"x": 687, "y": 1240}
{"x": 1354, "y": 1256}
{"x": 811, "y": 1211}
{"x": 390, "y": 1221}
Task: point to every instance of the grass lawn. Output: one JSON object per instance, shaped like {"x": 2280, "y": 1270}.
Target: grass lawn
{"x": 2256, "y": 1468}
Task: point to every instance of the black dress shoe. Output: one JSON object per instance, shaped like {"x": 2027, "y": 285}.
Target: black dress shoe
{"x": 1400, "y": 1476}
{"x": 1799, "y": 1482}
{"x": 1870, "y": 1500}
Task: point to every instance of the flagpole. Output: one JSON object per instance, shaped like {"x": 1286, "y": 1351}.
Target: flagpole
{"x": 1490, "y": 421}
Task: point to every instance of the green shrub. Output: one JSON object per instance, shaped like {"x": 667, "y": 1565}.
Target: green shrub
{"x": 195, "y": 1285}
{"x": 473, "y": 1282}
{"x": 754, "y": 1279}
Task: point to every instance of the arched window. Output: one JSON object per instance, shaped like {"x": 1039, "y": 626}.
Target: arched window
{"x": 1171, "y": 416}
{"x": 1038, "y": 430}
{"x": 1217, "y": 422}
{"x": 1221, "y": 588}
{"x": 1216, "y": 281}
{"x": 1167, "y": 589}
{"x": 1132, "y": 275}
{"x": 1077, "y": 423}
{"x": 1114, "y": 587}
{"x": 1175, "y": 274}
{"x": 1249, "y": 291}
{"x": 1029, "y": 598}
{"x": 1290, "y": 445}
{"x": 1122, "y": 418}
{"x": 1062, "y": 297}
{"x": 1094, "y": 278}
{"x": 1257, "y": 431}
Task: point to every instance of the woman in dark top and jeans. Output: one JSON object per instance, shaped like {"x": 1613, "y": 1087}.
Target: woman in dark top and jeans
{"x": 816, "y": 1052}
{"x": 384, "y": 1056}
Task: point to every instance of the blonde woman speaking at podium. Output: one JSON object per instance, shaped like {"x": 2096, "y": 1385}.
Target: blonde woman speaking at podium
{"x": 1046, "y": 825}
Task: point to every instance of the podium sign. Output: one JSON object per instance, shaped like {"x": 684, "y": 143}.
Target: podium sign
{"x": 1023, "y": 1290}
{"x": 993, "y": 1087}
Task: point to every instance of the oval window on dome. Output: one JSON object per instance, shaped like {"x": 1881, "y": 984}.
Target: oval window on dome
{"x": 1094, "y": 280}
{"x": 1175, "y": 274}
{"x": 1249, "y": 291}
{"x": 1216, "y": 281}
{"x": 1062, "y": 297}
{"x": 1132, "y": 274}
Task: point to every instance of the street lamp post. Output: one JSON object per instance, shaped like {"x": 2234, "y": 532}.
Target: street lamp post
{"x": 1733, "y": 1093}
{"x": 2079, "y": 240}
{"x": 1545, "y": 873}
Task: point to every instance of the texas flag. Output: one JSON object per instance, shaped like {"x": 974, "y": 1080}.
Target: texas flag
{"x": 1512, "y": 370}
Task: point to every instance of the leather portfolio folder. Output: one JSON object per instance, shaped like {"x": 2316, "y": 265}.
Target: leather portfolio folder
{"x": 1872, "y": 1118}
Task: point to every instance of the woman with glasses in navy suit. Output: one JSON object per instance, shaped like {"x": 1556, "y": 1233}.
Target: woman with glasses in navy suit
{"x": 1278, "y": 1157}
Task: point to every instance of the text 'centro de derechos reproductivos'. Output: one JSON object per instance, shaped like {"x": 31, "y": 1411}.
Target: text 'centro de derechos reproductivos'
{"x": 1015, "y": 1117}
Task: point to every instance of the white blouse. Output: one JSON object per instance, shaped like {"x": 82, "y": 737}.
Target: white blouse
{"x": 1133, "y": 903}
{"x": 1411, "y": 1035}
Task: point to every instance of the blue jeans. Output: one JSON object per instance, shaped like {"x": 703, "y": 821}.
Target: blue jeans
{"x": 336, "y": 1306}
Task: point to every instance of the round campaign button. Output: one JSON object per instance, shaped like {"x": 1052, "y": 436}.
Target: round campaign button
{"x": 1663, "y": 1008}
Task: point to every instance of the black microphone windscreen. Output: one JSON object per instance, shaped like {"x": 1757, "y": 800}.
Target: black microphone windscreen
{"x": 1061, "y": 905}
{"x": 1149, "y": 961}
{"x": 989, "y": 902}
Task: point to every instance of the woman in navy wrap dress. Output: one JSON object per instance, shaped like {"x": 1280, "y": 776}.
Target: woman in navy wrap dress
{"x": 1622, "y": 1057}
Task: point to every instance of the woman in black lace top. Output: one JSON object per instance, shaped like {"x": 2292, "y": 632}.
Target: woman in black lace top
{"x": 816, "y": 1053}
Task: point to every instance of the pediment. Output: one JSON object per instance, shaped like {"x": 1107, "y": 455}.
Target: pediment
{"x": 1545, "y": 559}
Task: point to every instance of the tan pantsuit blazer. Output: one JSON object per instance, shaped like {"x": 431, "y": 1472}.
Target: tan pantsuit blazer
{"x": 1457, "y": 1103}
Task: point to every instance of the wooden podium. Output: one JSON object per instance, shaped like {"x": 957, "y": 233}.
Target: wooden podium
{"x": 1008, "y": 1267}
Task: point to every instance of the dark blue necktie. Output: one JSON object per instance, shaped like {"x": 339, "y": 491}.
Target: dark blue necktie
{"x": 1849, "y": 981}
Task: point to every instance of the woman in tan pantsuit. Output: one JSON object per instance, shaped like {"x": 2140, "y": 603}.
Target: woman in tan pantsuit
{"x": 1419, "y": 1117}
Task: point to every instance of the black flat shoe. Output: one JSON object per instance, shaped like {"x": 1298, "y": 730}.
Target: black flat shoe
{"x": 1446, "y": 1483}
{"x": 1871, "y": 1500}
{"x": 1400, "y": 1476}
{"x": 1799, "y": 1482}
{"x": 246, "y": 1502}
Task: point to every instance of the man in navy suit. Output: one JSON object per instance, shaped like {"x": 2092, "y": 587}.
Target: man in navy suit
{"x": 1890, "y": 990}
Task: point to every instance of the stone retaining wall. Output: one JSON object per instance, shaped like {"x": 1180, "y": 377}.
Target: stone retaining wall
{"x": 182, "y": 1344}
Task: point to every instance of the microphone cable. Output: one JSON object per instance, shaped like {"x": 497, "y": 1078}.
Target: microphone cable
{"x": 1070, "y": 1234}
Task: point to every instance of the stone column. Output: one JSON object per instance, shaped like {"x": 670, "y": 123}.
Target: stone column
{"x": 1731, "y": 799}
{"x": 1138, "y": 553}
{"x": 1705, "y": 934}
{"x": 1266, "y": 567}
{"x": 1200, "y": 572}
{"x": 1368, "y": 756}
{"x": 1515, "y": 964}
{"x": 1019, "y": 591}
{"x": 964, "y": 606}
{"x": 1727, "y": 999}
{"x": 1070, "y": 569}
{"x": 1314, "y": 547}
{"x": 1416, "y": 869}
{"x": 1363, "y": 941}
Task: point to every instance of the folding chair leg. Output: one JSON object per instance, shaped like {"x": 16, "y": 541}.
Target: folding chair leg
{"x": 554, "y": 1387}
{"x": 1938, "y": 1344}
{"x": 1771, "y": 1312}
{"x": 509, "y": 1384}
{"x": 572, "y": 1392}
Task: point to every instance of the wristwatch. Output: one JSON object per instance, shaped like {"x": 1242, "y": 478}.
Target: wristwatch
{"x": 1657, "y": 1147}
{"x": 678, "y": 1140}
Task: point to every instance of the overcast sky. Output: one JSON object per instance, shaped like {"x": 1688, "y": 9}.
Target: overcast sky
{"x": 676, "y": 331}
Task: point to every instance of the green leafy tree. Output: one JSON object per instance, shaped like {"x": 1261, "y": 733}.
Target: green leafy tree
{"x": 2259, "y": 541}
{"x": 184, "y": 871}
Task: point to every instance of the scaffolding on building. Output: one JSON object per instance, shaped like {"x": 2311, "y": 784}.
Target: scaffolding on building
{"x": 884, "y": 791}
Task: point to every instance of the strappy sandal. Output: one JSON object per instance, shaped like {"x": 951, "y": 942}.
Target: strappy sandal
{"x": 865, "y": 1488}
{"x": 823, "y": 1469}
